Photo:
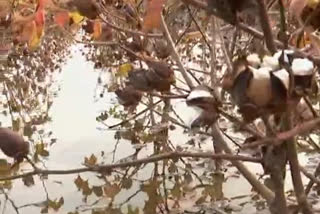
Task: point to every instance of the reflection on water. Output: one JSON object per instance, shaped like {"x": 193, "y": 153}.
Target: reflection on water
{"x": 74, "y": 125}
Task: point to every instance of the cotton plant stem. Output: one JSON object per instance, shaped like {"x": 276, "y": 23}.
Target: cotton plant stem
{"x": 276, "y": 160}
{"x": 175, "y": 54}
{"x": 265, "y": 192}
{"x": 214, "y": 79}
{"x": 295, "y": 168}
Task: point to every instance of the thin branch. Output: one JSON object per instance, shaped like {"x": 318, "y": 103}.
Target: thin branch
{"x": 312, "y": 178}
{"x": 129, "y": 31}
{"x": 135, "y": 116}
{"x": 199, "y": 28}
{"x": 175, "y": 55}
{"x": 282, "y": 136}
{"x": 295, "y": 167}
{"x": 152, "y": 159}
{"x": 265, "y": 24}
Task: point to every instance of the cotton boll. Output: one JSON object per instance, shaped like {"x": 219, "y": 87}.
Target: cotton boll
{"x": 278, "y": 54}
{"x": 198, "y": 93}
{"x": 254, "y": 60}
{"x": 259, "y": 90}
{"x": 303, "y": 74}
{"x": 302, "y": 67}
{"x": 283, "y": 76}
{"x": 280, "y": 81}
{"x": 271, "y": 62}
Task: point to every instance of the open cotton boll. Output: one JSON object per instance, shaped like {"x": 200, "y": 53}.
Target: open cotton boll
{"x": 271, "y": 62}
{"x": 259, "y": 90}
{"x": 199, "y": 93}
{"x": 277, "y": 55}
{"x": 302, "y": 67}
{"x": 283, "y": 76}
{"x": 254, "y": 60}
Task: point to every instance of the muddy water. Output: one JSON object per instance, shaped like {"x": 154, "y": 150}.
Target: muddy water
{"x": 78, "y": 135}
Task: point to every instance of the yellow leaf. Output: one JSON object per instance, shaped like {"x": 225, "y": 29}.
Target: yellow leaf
{"x": 313, "y": 3}
{"x": 34, "y": 40}
{"x": 124, "y": 69}
{"x": 76, "y": 17}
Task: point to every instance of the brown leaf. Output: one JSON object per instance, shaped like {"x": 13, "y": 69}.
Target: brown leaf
{"x": 153, "y": 15}
{"x": 111, "y": 190}
{"x": 91, "y": 161}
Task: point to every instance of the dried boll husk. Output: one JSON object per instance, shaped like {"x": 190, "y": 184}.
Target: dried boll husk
{"x": 158, "y": 82}
{"x": 202, "y": 97}
{"x": 239, "y": 88}
{"x": 205, "y": 119}
{"x": 13, "y": 145}
{"x": 160, "y": 67}
{"x": 204, "y": 101}
{"x": 280, "y": 86}
{"x": 287, "y": 55}
{"x": 138, "y": 79}
{"x": 128, "y": 96}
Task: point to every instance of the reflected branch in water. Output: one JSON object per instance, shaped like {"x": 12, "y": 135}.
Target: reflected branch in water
{"x": 134, "y": 117}
{"x": 11, "y": 202}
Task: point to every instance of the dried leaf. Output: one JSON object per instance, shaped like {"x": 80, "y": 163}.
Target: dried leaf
{"x": 86, "y": 190}
{"x": 62, "y": 18}
{"x": 111, "y": 190}
{"x": 153, "y": 15}
{"x": 76, "y": 17}
{"x": 78, "y": 182}
{"x": 97, "y": 190}
{"x": 90, "y": 161}
{"x": 124, "y": 70}
{"x": 97, "y": 29}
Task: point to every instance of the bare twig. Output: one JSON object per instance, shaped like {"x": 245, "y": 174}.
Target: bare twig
{"x": 259, "y": 187}
{"x": 155, "y": 158}
{"x": 134, "y": 116}
{"x": 265, "y": 24}
{"x": 128, "y": 30}
{"x": 295, "y": 168}
{"x": 175, "y": 55}
{"x": 282, "y": 136}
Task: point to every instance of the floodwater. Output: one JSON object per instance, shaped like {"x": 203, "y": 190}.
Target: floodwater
{"x": 79, "y": 135}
